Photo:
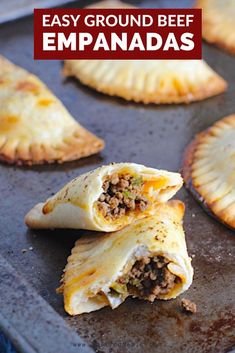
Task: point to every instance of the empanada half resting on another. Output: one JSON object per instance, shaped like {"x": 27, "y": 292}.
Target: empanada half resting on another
{"x": 148, "y": 81}
{"x": 106, "y": 199}
{"x": 209, "y": 169}
{"x": 218, "y": 25}
{"x": 148, "y": 260}
{"x": 35, "y": 127}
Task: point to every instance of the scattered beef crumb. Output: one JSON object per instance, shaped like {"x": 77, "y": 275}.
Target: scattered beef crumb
{"x": 189, "y": 306}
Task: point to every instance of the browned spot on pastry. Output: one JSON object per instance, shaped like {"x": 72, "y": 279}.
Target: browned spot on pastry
{"x": 46, "y": 102}
{"x": 47, "y": 208}
{"x": 3, "y": 81}
{"x": 28, "y": 87}
{"x": 7, "y": 123}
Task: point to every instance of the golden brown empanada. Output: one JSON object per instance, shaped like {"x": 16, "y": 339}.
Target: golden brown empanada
{"x": 106, "y": 199}
{"x": 208, "y": 169}
{"x": 218, "y": 25}
{"x": 35, "y": 127}
{"x": 148, "y": 259}
{"x": 147, "y": 81}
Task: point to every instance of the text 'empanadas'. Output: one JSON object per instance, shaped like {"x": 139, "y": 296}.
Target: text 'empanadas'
{"x": 209, "y": 169}
{"x": 35, "y": 127}
{"x": 148, "y": 259}
{"x": 147, "y": 81}
{"x": 218, "y": 24}
{"x": 106, "y": 199}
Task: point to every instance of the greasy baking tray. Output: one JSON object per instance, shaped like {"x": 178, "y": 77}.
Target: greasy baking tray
{"x": 31, "y": 313}
{"x": 12, "y": 9}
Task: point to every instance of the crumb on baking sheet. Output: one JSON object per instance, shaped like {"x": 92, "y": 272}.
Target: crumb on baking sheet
{"x": 188, "y": 306}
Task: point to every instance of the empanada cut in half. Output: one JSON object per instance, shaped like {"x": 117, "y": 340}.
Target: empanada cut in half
{"x": 218, "y": 25}
{"x": 209, "y": 169}
{"x": 35, "y": 127}
{"x": 148, "y": 260}
{"x": 106, "y": 199}
{"x": 147, "y": 81}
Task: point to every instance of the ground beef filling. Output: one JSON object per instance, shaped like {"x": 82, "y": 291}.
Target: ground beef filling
{"x": 189, "y": 306}
{"x": 149, "y": 278}
{"x": 122, "y": 194}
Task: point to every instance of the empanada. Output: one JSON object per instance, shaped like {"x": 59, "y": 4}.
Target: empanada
{"x": 209, "y": 169}
{"x": 147, "y": 81}
{"x": 106, "y": 199}
{"x": 148, "y": 259}
{"x": 35, "y": 127}
{"x": 218, "y": 25}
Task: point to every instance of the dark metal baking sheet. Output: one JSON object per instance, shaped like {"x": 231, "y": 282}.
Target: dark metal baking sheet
{"x": 152, "y": 135}
{"x": 13, "y": 9}
{"x": 31, "y": 324}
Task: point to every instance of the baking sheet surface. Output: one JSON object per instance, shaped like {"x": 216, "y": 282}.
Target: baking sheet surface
{"x": 152, "y": 135}
{"x": 13, "y": 9}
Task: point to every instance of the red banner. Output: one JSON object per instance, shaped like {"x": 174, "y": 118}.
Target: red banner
{"x": 117, "y": 34}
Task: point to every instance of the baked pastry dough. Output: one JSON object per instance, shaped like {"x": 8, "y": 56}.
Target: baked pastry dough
{"x": 35, "y": 127}
{"x": 106, "y": 199}
{"x": 110, "y": 4}
{"x": 148, "y": 259}
{"x": 218, "y": 25}
{"x": 151, "y": 81}
{"x": 147, "y": 81}
{"x": 208, "y": 169}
